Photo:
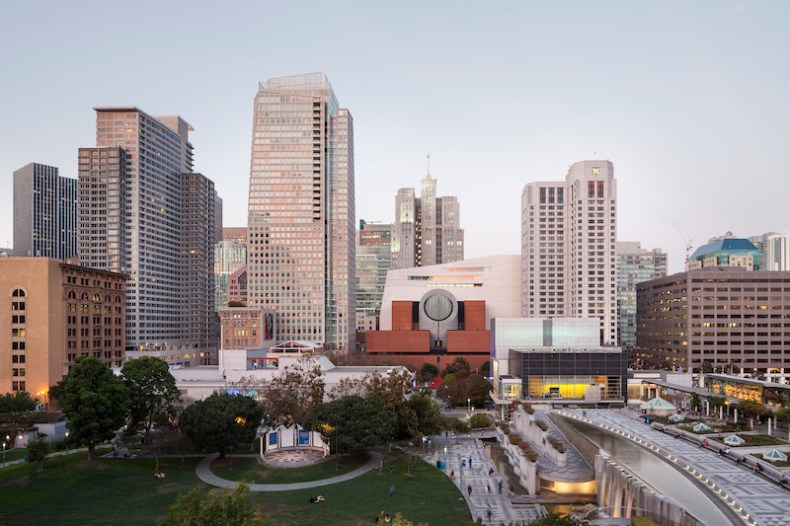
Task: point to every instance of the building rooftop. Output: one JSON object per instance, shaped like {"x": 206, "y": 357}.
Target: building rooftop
{"x": 724, "y": 245}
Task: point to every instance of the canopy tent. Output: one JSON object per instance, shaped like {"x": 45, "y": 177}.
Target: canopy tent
{"x": 734, "y": 440}
{"x": 677, "y": 417}
{"x": 775, "y": 454}
{"x": 659, "y": 407}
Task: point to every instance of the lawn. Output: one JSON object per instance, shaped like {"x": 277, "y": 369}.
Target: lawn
{"x": 426, "y": 496}
{"x": 250, "y": 470}
{"x": 72, "y": 491}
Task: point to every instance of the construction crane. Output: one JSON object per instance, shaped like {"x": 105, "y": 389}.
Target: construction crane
{"x": 686, "y": 243}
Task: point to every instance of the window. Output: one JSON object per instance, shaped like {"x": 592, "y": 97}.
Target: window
{"x": 18, "y": 293}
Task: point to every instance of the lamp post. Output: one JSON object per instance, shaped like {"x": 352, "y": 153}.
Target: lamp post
{"x": 4, "y": 454}
{"x": 67, "y": 442}
{"x": 469, "y": 406}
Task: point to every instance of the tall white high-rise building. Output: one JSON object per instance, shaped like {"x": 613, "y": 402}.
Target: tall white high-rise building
{"x": 301, "y": 244}
{"x": 427, "y": 229}
{"x": 143, "y": 212}
{"x": 568, "y": 233}
{"x": 774, "y": 250}
{"x": 634, "y": 265}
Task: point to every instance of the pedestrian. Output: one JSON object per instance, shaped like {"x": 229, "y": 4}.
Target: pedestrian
{"x": 488, "y": 487}
{"x": 488, "y": 513}
{"x": 470, "y": 462}
{"x": 392, "y": 490}
{"x": 500, "y": 487}
{"x": 469, "y": 489}
{"x": 490, "y": 472}
{"x": 392, "y": 470}
{"x": 452, "y": 474}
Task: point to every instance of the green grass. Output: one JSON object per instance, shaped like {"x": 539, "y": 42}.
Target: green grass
{"x": 250, "y": 470}
{"x": 71, "y": 491}
{"x": 14, "y": 454}
{"x": 427, "y": 496}
{"x": 777, "y": 463}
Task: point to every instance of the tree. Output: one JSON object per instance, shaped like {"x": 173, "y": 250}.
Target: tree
{"x": 429, "y": 419}
{"x": 462, "y": 387}
{"x": 166, "y": 441}
{"x": 390, "y": 390}
{"x": 216, "y": 508}
{"x": 555, "y": 519}
{"x": 485, "y": 370}
{"x": 428, "y": 372}
{"x": 221, "y": 421}
{"x": 18, "y": 402}
{"x": 152, "y": 390}
{"x": 37, "y": 452}
{"x": 362, "y": 423}
{"x": 783, "y": 415}
{"x": 695, "y": 402}
{"x": 457, "y": 365}
{"x": 290, "y": 396}
{"x": 94, "y": 400}
{"x": 750, "y": 410}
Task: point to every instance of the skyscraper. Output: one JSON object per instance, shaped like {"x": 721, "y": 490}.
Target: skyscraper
{"x": 45, "y": 213}
{"x": 634, "y": 265}
{"x": 374, "y": 245}
{"x": 427, "y": 229}
{"x": 143, "y": 212}
{"x": 301, "y": 248}
{"x": 568, "y": 232}
{"x": 774, "y": 250}
{"x": 230, "y": 254}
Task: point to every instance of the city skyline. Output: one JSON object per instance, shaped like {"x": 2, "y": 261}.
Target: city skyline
{"x": 490, "y": 91}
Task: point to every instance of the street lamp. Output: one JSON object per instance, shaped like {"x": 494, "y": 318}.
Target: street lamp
{"x": 337, "y": 447}
{"x": 469, "y": 406}
{"x": 67, "y": 442}
{"x": 4, "y": 453}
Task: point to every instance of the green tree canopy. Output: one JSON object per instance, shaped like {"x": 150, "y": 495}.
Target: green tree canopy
{"x": 362, "y": 423}
{"x": 428, "y": 372}
{"x": 37, "y": 452}
{"x": 555, "y": 519}
{"x": 430, "y": 420}
{"x": 221, "y": 421}
{"x": 462, "y": 387}
{"x": 291, "y": 395}
{"x": 457, "y": 365}
{"x": 216, "y": 508}
{"x": 152, "y": 390}
{"x": 18, "y": 402}
{"x": 783, "y": 415}
{"x": 94, "y": 400}
{"x": 750, "y": 409}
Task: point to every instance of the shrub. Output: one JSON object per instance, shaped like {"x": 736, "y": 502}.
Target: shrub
{"x": 529, "y": 453}
{"x": 542, "y": 425}
{"x": 557, "y": 444}
{"x": 480, "y": 420}
{"x": 528, "y": 408}
{"x": 504, "y": 427}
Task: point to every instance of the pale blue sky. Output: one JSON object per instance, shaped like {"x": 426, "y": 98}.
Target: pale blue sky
{"x": 689, "y": 100}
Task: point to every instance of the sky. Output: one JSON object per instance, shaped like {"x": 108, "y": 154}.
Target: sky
{"x": 689, "y": 100}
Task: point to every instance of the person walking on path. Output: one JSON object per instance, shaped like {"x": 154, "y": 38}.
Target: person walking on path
{"x": 392, "y": 490}
{"x": 488, "y": 513}
{"x": 488, "y": 487}
{"x": 500, "y": 487}
{"x": 469, "y": 489}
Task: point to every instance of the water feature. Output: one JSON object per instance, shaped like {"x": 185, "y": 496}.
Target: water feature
{"x": 657, "y": 473}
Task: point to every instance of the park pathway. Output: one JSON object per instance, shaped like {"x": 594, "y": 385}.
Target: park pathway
{"x": 205, "y": 474}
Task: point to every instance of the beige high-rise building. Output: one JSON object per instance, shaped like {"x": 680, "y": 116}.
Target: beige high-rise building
{"x": 52, "y": 312}
{"x": 427, "y": 229}
{"x": 144, "y": 212}
{"x": 301, "y": 248}
{"x": 568, "y": 233}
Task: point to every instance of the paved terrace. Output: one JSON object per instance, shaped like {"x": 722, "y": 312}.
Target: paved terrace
{"x": 758, "y": 500}
{"x": 484, "y": 496}
{"x": 575, "y": 470}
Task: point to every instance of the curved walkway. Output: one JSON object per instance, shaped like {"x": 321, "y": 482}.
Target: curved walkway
{"x": 205, "y": 474}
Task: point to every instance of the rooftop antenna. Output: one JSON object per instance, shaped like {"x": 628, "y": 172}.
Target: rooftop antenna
{"x": 429, "y": 165}
{"x": 686, "y": 242}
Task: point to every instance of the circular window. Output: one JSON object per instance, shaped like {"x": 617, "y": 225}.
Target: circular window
{"x": 438, "y": 308}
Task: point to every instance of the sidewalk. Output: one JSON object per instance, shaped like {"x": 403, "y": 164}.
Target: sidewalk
{"x": 480, "y": 489}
